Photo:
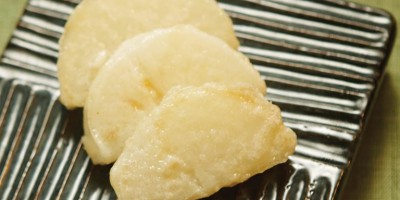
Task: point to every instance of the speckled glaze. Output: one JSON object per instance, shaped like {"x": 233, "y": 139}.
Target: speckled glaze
{"x": 323, "y": 62}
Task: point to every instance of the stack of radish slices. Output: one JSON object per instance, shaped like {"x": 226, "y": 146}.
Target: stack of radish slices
{"x": 168, "y": 98}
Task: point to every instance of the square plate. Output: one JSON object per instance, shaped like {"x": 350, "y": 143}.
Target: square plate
{"x": 323, "y": 62}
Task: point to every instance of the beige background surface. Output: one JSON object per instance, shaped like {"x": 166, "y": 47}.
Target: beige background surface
{"x": 376, "y": 169}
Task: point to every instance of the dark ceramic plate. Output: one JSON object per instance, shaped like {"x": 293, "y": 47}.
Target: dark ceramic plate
{"x": 323, "y": 62}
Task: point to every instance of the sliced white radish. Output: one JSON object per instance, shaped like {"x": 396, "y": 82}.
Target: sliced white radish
{"x": 97, "y": 27}
{"x": 198, "y": 140}
{"x": 136, "y": 78}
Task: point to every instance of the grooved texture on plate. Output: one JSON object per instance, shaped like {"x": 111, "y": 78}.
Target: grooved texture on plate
{"x": 322, "y": 61}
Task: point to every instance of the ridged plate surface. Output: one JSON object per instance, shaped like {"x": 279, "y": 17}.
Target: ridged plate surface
{"x": 323, "y": 62}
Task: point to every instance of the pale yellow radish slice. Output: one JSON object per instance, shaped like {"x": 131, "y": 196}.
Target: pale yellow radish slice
{"x": 198, "y": 140}
{"x": 97, "y": 27}
{"x": 135, "y": 79}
